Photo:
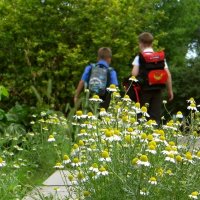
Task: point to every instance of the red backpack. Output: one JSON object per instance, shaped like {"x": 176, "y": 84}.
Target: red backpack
{"x": 151, "y": 72}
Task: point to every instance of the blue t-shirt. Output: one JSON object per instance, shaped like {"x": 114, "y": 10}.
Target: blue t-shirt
{"x": 113, "y": 74}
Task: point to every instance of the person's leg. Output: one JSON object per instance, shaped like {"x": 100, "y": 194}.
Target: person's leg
{"x": 155, "y": 105}
{"x": 106, "y": 100}
{"x": 145, "y": 97}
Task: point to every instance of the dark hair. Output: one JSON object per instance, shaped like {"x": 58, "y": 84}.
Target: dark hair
{"x": 146, "y": 38}
{"x": 104, "y": 53}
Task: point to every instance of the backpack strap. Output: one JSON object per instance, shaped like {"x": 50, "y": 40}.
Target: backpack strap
{"x": 110, "y": 69}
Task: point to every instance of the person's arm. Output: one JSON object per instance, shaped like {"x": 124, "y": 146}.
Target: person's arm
{"x": 135, "y": 70}
{"x": 113, "y": 77}
{"x": 169, "y": 85}
{"x": 78, "y": 90}
{"x": 84, "y": 78}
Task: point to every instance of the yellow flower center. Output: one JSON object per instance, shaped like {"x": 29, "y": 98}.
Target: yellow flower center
{"x": 144, "y": 158}
{"x": 81, "y": 143}
{"x": 161, "y": 132}
{"x": 65, "y": 157}
{"x": 1, "y": 160}
{"x": 168, "y": 148}
{"x": 171, "y": 143}
{"x": 95, "y": 96}
{"x": 162, "y": 138}
{"x": 75, "y": 146}
{"x": 150, "y": 137}
{"x": 134, "y": 161}
{"x": 128, "y": 138}
{"x": 188, "y": 156}
{"x": 144, "y": 136}
{"x": 102, "y": 169}
{"x": 130, "y": 130}
{"x": 198, "y": 154}
{"x": 152, "y": 179}
{"x": 90, "y": 114}
{"x": 51, "y": 136}
{"x": 152, "y": 143}
{"x": 171, "y": 155}
{"x": 169, "y": 171}
{"x": 179, "y": 158}
{"x": 137, "y": 105}
{"x": 132, "y": 120}
{"x": 144, "y": 109}
{"x": 105, "y": 154}
{"x": 95, "y": 165}
{"x": 70, "y": 177}
{"x": 112, "y": 86}
{"x": 86, "y": 193}
{"x": 193, "y": 105}
{"x": 126, "y": 97}
{"x": 75, "y": 160}
{"x": 80, "y": 176}
{"x": 108, "y": 133}
{"x": 82, "y": 131}
{"x": 125, "y": 118}
{"x": 102, "y": 110}
{"x": 79, "y": 113}
{"x": 152, "y": 147}
{"x": 195, "y": 193}
{"x": 58, "y": 164}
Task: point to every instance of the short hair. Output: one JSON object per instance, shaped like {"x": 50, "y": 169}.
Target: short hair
{"x": 104, "y": 53}
{"x": 146, "y": 38}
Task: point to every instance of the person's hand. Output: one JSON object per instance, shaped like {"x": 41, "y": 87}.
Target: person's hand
{"x": 170, "y": 95}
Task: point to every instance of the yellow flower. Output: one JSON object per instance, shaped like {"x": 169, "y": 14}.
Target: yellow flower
{"x": 169, "y": 172}
{"x": 132, "y": 120}
{"x": 86, "y": 193}
{"x": 102, "y": 109}
{"x": 95, "y": 96}
{"x": 134, "y": 161}
{"x": 188, "y": 156}
{"x": 75, "y": 160}
{"x": 144, "y": 109}
{"x": 112, "y": 86}
{"x": 90, "y": 114}
{"x": 143, "y": 136}
{"x": 70, "y": 177}
{"x": 65, "y": 157}
{"x": 153, "y": 143}
{"x": 130, "y": 129}
{"x": 137, "y": 105}
{"x": 152, "y": 147}
{"x": 75, "y": 146}
{"x": 150, "y": 137}
{"x": 179, "y": 158}
{"x": 144, "y": 158}
{"x": 105, "y": 154}
{"x": 128, "y": 138}
{"x": 171, "y": 143}
{"x": 108, "y": 133}
{"x": 81, "y": 143}
{"x": 80, "y": 176}
{"x": 194, "y": 195}
{"x": 79, "y": 113}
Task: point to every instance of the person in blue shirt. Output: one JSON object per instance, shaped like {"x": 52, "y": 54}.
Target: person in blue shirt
{"x": 104, "y": 60}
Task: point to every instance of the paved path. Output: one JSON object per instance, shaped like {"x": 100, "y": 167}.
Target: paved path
{"x": 56, "y": 186}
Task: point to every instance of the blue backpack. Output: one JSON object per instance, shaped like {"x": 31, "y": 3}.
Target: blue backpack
{"x": 99, "y": 79}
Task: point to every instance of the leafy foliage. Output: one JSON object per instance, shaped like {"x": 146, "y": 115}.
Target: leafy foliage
{"x": 55, "y": 39}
